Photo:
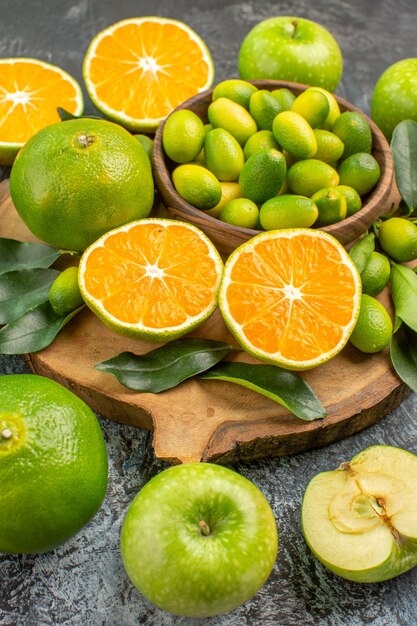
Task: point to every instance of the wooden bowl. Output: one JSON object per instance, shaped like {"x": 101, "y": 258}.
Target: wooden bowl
{"x": 227, "y": 237}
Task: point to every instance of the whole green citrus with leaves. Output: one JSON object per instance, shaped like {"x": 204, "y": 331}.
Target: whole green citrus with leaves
{"x": 53, "y": 464}
{"x": 77, "y": 179}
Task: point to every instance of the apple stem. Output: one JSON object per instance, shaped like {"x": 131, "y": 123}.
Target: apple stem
{"x": 204, "y": 527}
{"x": 6, "y": 433}
{"x": 295, "y": 24}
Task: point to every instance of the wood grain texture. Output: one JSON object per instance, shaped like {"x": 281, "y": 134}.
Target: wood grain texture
{"x": 211, "y": 420}
{"x": 227, "y": 237}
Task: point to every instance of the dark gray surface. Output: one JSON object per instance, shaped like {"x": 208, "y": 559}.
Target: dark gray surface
{"x": 83, "y": 582}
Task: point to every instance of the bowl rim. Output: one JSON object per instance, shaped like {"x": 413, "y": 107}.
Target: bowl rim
{"x": 161, "y": 165}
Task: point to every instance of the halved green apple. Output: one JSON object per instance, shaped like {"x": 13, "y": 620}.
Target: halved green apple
{"x": 360, "y": 520}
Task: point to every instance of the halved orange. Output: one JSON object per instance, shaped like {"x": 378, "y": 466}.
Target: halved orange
{"x": 291, "y": 297}
{"x": 30, "y": 92}
{"x": 154, "y": 279}
{"x": 139, "y": 69}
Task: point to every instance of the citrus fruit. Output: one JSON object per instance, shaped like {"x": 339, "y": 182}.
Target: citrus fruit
{"x": 353, "y": 199}
{"x": 230, "y": 191}
{"x": 138, "y": 70}
{"x": 240, "y": 212}
{"x": 393, "y": 98}
{"x": 288, "y": 211}
{"x": 353, "y": 129}
{"x": 75, "y": 180}
{"x": 376, "y": 274}
{"x": 31, "y": 91}
{"x": 263, "y": 107}
{"x": 183, "y": 136}
{"x": 334, "y": 109}
{"x": 261, "y": 140}
{"x": 291, "y": 297}
{"x": 263, "y": 175}
{"x": 235, "y": 89}
{"x": 294, "y": 134}
{"x": 331, "y": 205}
{"x": 360, "y": 171}
{"x": 233, "y": 117}
{"x": 64, "y": 294}
{"x": 223, "y": 154}
{"x": 398, "y": 238}
{"x": 146, "y": 142}
{"x": 284, "y": 96}
{"x": 197, "y": 185}
{"x": 307, "y": 177}
{"x": 154, "y": 279}
{"x": 313, "y": 106}
{"x": 53, "y": 464}
{"x": 329, "y": 146}
{"x": 373, "y": 329}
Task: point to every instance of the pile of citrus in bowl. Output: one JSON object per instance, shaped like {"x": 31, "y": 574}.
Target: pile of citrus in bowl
{"x": 272, "y": 158}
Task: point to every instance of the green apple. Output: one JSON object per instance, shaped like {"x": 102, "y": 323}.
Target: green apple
{"x": 294, "y": 49}
{"x": 360, "y": 520}
{"x": 394, "y": 98}
{"x": 199, "y": 539}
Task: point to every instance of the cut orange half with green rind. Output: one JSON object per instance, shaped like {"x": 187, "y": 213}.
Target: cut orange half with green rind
{"x": 291, "y": 297}
{"x": 139, "y": 69}
{"x": 154, "y": 279}
{"x": 30, "y": 93}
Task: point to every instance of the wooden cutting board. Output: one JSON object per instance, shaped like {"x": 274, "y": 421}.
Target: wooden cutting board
{"x": 211, "y": 420}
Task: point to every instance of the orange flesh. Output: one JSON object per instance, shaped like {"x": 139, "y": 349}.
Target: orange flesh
{"x": 29, "y": 97}
{"x": 152, "y": 275}
{"x": 292, "y": 296}
{"x": 147, "y": 69}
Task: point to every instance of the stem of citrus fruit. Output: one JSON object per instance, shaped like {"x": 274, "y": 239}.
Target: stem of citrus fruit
{"x": 85, "y": 140}
{"x": 204, "y": 527}
{"x": 6, "y": 433}
{"x": 295, "y": 24}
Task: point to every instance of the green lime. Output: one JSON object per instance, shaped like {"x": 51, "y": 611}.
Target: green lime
{"x": 183, "y": 136}
{"x": 376, "y": 274}
{"x": 398, "y": 238}
{"x": 360, "y": 171}
{"x": 261, "y": 140}
{"x": 295, "y": 134}
{"x": 353, "y": 199}
{"x": 262, "y": 175}
{"x": 307, "y": 177}
{"x": 53, "y": 464}
{"x": 284, "y": 97}
{"x": 223, "y": 154}
{"x": 240, "y": 212}
{"x": 197, "y": 185}
{"x": 263, "y": 107}
{"x": 329, "y": 146}
{"x": 227, "y": 114}
{"x": 331, "y": 205}
{"x": 64, "y": 294}
{"x": 146, "y": 142}
{"x": 288, "y": 211}
{"x": 353, "y": 129}
{"x": 373, "y": 329}
{"x": 313, "y": 106}
{"x": 334, "y": 109}
{"x": 230, "y": 191}
{"x": 235, "y": 89}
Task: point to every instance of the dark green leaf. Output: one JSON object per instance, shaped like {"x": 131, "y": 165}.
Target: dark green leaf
{"x": 286, "y": 388}
{"x": 166, "y": 366}
{"x": 403, "y": 351}
{"x": 15, "y": 255}
{"x": 22, "y": 290}
{"x": 404, "y": 153}
{"x": 361, "y": 251}
{"x": 404, "y": 294}
{"x": 66, "y": 115}
{"x": 34, "y": 331}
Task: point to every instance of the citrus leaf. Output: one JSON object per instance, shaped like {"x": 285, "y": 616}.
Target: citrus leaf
{"x": 22, "y": 290}
{"x": 404, "y": 153}
{"x": 166, "y": 366}
{"x": 286, "y": 388}
{"x": 361, "y": 251}
{"x": 404, "y": 294}
{"x": 34, "y": 331}
{"x": 403, "y": 352}
{"x": 15, "y": 255}
{"x": 66, "y": 115}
